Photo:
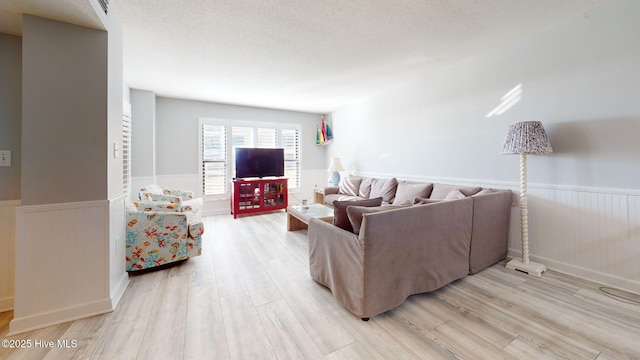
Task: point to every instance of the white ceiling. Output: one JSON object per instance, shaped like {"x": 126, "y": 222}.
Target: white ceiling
{"x": 312, "y": 56}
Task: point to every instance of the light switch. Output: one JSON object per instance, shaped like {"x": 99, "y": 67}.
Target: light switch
{"x": 5, "y": 157}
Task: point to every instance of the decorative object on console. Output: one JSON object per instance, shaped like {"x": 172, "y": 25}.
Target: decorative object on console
{"x": 526, "y": 138}
{"x": 334, "y": 168}
{"x": 323, "y": 133}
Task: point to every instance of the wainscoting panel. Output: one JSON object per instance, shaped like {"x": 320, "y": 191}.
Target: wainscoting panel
{"x": 588, "y": 233}
{"x": 62, "y": 264}
{"x": 7, "y": 252}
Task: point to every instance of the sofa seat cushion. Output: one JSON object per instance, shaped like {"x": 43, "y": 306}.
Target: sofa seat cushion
{"x": 408, "y": 192}
{"x": 440, "y": 191}
{"x": 340, "y": 217}
{"x": 355, "y": 212}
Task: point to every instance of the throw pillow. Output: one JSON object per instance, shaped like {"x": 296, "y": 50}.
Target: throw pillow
{"x": 384, "y": 188}
{"x": 365, "y": 188}
{"x": 340, "y": 218}
{"x": 440, "y": 191}
{"x": 350, "y": 185}
{"x": 408, "y": 192}
{"x": 454, "y": 194}
{"x": 484, "y": 191}
{"x": 355, "y": 213}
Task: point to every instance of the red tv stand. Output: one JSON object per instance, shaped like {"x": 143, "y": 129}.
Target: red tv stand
{"x": 259, "y": 195}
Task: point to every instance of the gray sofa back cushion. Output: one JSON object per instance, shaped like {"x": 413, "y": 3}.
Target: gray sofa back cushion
{"x": 440, "y": 191}
{"x": 365, "y": 188}
{"x": 350, "y": 185}
{"x": 385, "y": 188}
{"x": 409, "y": 191}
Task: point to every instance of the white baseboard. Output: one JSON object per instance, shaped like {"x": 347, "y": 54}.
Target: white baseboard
{"x": 38, "y": 321}
{"x": 6, "y": 303}
{"x": 583, "y": 273}
{"x": 118, "y": 291}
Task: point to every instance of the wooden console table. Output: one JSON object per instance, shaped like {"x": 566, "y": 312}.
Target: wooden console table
{"x": 259, "y": 195}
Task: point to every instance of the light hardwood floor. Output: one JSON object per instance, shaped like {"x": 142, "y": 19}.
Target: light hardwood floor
{"x": 250, "y": 296}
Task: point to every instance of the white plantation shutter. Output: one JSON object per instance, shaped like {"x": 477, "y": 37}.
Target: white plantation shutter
{"x": 241, "y": 136}
{"x": 267, "y": 138}
{"x": 291, "y": 144}
{"x": 214, "y": 159}
{"x": 126, "y": 153}
{"x": 219, "y": 138}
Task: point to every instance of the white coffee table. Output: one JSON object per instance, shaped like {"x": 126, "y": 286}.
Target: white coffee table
{"x": 298, "y": 215}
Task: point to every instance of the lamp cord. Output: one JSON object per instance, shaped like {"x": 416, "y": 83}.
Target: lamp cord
{"x": 620, "y": 295}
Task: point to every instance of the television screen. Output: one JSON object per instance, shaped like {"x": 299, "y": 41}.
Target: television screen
{"x": 259, "y": 162}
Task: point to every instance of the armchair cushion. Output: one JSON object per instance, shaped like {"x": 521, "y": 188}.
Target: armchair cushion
{"x": 183, "y": 200}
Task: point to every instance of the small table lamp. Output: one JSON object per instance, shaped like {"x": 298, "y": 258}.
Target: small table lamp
{"x": 334, "y": 168}
{"x": 525, "y": 138}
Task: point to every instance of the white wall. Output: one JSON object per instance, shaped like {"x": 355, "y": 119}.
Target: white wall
{"x": 581, "y": 79}
{"x": 10, "y": 113}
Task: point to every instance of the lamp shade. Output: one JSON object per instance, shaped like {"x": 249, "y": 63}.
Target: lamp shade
{"x": 527, "y": 137}
{"x": 335, "y": 165}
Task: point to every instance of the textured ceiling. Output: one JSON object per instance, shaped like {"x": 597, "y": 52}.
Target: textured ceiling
{"x": 312, "y": 56}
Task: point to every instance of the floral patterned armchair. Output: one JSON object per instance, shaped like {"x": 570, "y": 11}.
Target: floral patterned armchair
{"x": 184, "y": 199}
{"x": 159, "y": 234}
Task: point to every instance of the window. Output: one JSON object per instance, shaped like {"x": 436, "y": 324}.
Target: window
{"x": 214, "y": 159}
{"x": 219, "y": 138}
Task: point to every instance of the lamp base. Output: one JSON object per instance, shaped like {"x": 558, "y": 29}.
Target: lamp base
{"x": 334, "y": 179}
{"x": 531, "y": 268}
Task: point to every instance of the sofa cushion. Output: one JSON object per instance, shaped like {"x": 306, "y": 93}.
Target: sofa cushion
{"x": 386, "y": 188}
{"x": 423, "y": 201}
{"x": 455, "y": 194}
{"x": 440, "y": 191}
{"x": 485, "y": 191}
{"x": 350, "y": 185}
{"x": 355, "y": 212}
{"x": 365, "y": 188}
{"x": 340, "y": 218}
{"x": 408, "y": 192}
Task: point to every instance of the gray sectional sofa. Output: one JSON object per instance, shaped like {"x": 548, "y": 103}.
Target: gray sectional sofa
{"x": 425, "y": 236}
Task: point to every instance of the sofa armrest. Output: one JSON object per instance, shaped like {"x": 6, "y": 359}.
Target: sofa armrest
{"x": 331, "y": 190}
{"x": 490, "y": 236}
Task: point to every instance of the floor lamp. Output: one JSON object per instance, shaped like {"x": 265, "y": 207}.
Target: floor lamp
{"x": 526, "y": 138}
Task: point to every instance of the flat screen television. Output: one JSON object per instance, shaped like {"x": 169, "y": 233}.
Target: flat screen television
{"x": 259, "y": 162}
